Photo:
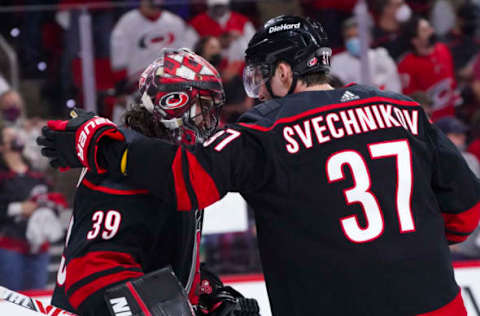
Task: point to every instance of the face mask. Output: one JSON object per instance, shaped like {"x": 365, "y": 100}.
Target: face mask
{"x": 17, "y": 145}
{"x": 403, "y": 13}
{"x": 215, "y": 60}
{"x": 353, "y": 46}
{"x": 11, "y": 114}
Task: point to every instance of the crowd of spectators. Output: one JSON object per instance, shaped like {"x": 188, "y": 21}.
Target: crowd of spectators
{"x": 429, "y": 50}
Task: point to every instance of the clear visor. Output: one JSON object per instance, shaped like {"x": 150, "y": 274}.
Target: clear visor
{"x": 254, "y": 76}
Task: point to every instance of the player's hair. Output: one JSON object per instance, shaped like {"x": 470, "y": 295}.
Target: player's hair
{"x": 314, "y": 78}
{"x": 142, "y": 121}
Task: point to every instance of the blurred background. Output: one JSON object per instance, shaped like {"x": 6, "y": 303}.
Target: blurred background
{"x": 57, "y": 54}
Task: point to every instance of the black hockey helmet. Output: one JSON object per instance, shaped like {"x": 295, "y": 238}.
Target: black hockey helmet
{"x": 301, "y": 42}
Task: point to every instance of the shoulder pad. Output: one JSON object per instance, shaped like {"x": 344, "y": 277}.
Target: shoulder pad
{"x": 260, "y": 111}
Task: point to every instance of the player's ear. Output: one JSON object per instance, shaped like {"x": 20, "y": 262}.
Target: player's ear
{"x": 284, "y": 72}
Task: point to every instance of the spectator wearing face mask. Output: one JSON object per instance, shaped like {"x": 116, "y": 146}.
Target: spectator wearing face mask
{"x": 28, "y": 218}
{"x": 347, "y": 65}
{"x": 429, "y": 68}
{"x": 389, "y": 16}
{"x": 12, "y": 113}
{"x": 456, "y": 131}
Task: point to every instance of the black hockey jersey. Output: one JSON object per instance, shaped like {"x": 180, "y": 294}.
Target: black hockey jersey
{"x": 118, "y": 233}
{"x": 356, "y": 196}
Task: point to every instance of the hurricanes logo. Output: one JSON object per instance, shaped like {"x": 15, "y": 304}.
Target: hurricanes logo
{"x": 174, "y": 100}
{"x": 312, "y": 62}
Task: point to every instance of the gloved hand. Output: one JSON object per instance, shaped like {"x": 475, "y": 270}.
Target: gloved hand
{"x": 216, "y": 299}
{"x": 74, "y": 143}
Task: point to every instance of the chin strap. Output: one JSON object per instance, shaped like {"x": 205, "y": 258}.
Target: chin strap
{"x": 293, "y": 84}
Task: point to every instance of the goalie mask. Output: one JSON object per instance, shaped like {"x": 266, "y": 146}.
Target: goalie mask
{"x": 184, "y": 93}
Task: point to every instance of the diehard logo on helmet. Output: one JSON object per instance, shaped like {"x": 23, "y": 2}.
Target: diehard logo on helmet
{"x": 174, "y": 100}
{"x": 283, "y": 27}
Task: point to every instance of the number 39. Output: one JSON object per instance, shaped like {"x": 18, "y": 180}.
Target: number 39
{"x": 106, "y": 222}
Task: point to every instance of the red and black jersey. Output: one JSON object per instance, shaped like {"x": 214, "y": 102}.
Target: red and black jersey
{"x": 118, "y": 233}
{"x": 356, "y": 197}
{"x": 433, "y": 74}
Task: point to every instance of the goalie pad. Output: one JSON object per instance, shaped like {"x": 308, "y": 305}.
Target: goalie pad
{"x": 158, "y": 293}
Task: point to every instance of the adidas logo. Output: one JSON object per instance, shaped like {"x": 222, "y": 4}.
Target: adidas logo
{"x": 348, "y": 96}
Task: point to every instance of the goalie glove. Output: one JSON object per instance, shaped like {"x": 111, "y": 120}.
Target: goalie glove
{"x": 75, "y": 143}
{"x": 216, "y": 299}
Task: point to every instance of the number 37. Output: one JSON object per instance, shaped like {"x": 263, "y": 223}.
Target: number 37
{"x": 360, "y": 192}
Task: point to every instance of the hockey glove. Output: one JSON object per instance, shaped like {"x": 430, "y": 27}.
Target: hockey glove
{"x": 219, "y": 300}
{"x": 75, "y": 143}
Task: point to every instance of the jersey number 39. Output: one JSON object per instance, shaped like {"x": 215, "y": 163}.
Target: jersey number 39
{"x": 360, "y": 192}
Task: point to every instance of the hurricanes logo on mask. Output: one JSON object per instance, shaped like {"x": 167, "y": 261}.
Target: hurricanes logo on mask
{"x": 174, "y": 100}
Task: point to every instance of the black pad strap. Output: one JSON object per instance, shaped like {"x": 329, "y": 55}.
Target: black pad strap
{"x": 157, "y": 294}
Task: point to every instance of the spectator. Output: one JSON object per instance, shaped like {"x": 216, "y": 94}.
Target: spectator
{"x": 139, "y": 35}
{"x": 456, "y": 131}
{"x": 137, "y": 38}
{"x": 347, "y": 65}
{"x": 389, "y": 16}
{"x": 209, "y": 47}
{"x": 463, "y": 43}
{"x": 424, "y": 100}
{"x": 232, "y": 28}
{"x": 27, "y": 224}
{"x": 12, "y": 111}
{"x": 237, "y": 101}
{"x": 429, "y": 68}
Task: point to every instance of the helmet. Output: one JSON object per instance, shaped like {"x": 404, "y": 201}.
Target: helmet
{"x": 301, "y": 42}
{"x": 184, "y": 93}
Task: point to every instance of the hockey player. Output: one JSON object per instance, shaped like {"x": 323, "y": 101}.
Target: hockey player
{"x": 356, "y": 195}
{"x": 119, "y": 232}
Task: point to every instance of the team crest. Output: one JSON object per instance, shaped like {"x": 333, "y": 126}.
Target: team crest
{"x": 174, "y": 100}
{"x": 312, "y": 62}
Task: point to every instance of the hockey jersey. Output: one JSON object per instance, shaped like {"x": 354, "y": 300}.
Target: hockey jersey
{"x": 356, "y": 197}
{"x": 433, "y": 74}
{"x": 137, "y": 40}
{"x": 118, "y": 233}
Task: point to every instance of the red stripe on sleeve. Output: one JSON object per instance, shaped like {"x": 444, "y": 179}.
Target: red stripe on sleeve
{"x": 455, "y": 307}
{"x": 138, "y": 299}
{"x": 85, "y": 291}
{"x": 108, "y": 190}
{"x": 456, "y": 238}
{"x": 203, "y": 185}
{"x": 97, "y": 261}
{"x": 183, "y": 200}
{"x": 464, "y": 222}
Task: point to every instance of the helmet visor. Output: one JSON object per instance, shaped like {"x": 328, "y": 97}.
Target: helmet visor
{"x": 254, "y": 76}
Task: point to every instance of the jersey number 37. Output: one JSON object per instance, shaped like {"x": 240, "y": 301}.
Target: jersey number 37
{"x": 360, "y": 192}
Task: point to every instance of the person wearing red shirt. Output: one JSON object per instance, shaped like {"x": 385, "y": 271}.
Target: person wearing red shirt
{"x": 429, "y": 68}
{"x": 232, "y": 28}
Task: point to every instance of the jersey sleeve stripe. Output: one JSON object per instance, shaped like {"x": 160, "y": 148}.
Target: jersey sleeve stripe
{"x": 205, "y": 188}
{"x": 92, "y": 277}
{"x": 454, "y": 307}
{"x": 464, "y": 222}
{"x": 329, "y": 107}
{"x": 97, "y": 261}
{"x": 84, "y": 292}
{"x": 183, "y": 199}
{"x": 103, "y": 189}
